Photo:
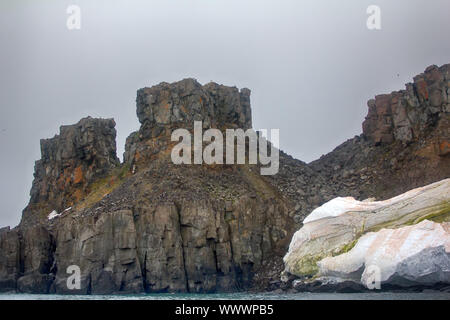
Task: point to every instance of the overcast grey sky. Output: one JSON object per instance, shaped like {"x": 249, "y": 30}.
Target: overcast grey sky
{"x": 311, "y": 66}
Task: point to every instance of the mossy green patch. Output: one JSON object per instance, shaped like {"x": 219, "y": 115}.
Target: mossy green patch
{"x": 307, "y": 265}
{"x": 104, "y": 186}
{"x": 440, "y": 214}
{"x": 437, "y": 213}
{"x": 347, "y": 247}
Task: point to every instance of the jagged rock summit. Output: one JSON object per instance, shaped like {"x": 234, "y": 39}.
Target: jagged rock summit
{"x": 404, "y": 144}
{"x": 403, "y": 115}
{"x": 148, "y": 225}
{"x": 71, "y": 161}
{"x": 166, "y": 107}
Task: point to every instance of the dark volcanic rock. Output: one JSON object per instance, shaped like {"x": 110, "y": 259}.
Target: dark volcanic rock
{"x": 185, "y": 241}
{"x": 9, "y": 260}
{"x": 187, "y": 100}
{"x": 149, "y": 225}
{"x": 160, "y": 227}
{"x": 404, "y": 115}
{"x": 404, "y": 144}
{"x": 104, "y": 247}
{"x": 26, "y": 259}
{"x": 5, "y": 229}
{"x": 166, "y": 107}
{"x": 328, "y": 285}
{"x": 71, "y": 160}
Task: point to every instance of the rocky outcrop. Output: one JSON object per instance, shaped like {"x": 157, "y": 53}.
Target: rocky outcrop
{"x": 166, "y": 107}
{"x": 186, "y": 242}
{"x": 37, "y": 248}
{"x": 404, "y": 144}
{"x": 187, "y": 101}
{"x": 404, "y": 115}
{"x": 148, "y": 225}
{"x": 341, "y": 239}
{"x": 202, "y": 245}
{"x": 69, "y": 162}
{"x": 104, "y": 248}
{"x": 151, "y": 225}
{"x": 26, "y": 260}
{"x": 9, "y": 260}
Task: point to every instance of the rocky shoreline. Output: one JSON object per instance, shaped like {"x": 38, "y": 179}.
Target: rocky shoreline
{"x": 147, "y": 225}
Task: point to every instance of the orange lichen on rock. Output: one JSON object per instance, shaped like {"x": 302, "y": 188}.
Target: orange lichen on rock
{"x": 427, "y": 151}
{"x": 111, "y": 181}
{"x": 137, "y": 156}
{"x": 422, "y": 89}
{"x": 444, "y": 148}
{"x": 78, "y": 195}
{"x": 78, "y": 176}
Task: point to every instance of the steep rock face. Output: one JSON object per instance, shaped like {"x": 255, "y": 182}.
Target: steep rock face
{"x": 37, "y": 246}
{"x": 155, "y": 240}
{"x": 9, "y": 260}
{"x": 26, "y": 259}
{"x": 166, "y": 107}
{"x": 103, "y": 247}
{"x": 187, "y": 100}
{"x": 404, "y": 115}
{"x": 71, "y": 160}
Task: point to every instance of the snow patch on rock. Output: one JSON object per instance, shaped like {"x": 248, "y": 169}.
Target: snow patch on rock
{"x": 395, "y": 253}
{"x": 53, "y": 215}
{"x": 336, "y": 227}
{"x": 339, "y": 206}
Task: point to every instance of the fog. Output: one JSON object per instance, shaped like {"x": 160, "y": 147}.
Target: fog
{"x": 311, "y": 66}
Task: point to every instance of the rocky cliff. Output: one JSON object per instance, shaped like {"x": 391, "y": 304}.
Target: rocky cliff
{"x": 149, "y": 225}
{"x": 166, "y": 107}
{"x": 70, "y": 161}
{"x": 404, "y": 144}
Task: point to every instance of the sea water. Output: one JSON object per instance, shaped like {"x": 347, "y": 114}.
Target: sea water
{"x": 429, "y": 295}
